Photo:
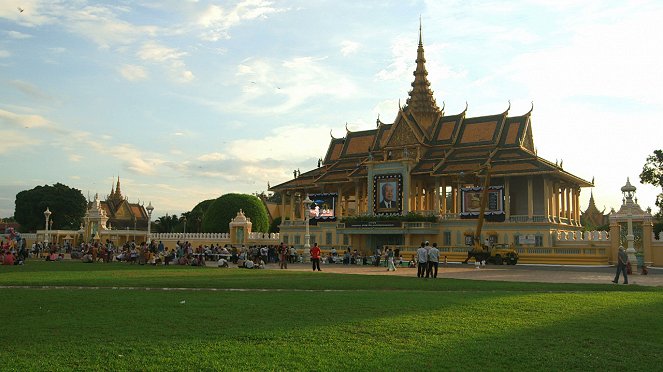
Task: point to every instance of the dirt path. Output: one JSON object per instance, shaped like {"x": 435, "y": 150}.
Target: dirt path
{"x": 519, "y": 273}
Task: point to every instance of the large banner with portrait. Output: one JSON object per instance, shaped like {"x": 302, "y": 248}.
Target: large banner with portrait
{"x": 471, "y": 203}
{"x": 388, "y": 194}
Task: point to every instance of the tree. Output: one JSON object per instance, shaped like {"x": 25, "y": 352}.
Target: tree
{"x": 67, "y": 205}
{"x": 166, "y": 224}
{"x": 194, "y": 218}
{"x": 222, "y": 210}
{"x": 652, "y": 173}
{"x": 274, "y": 226}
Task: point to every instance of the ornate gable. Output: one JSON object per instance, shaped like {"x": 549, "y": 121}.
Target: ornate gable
{"x": 402, "y": 135}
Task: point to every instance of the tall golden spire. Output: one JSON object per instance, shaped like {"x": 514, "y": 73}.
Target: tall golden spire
{"x": 117, "y": 188}
{"x": 421, "y": 102}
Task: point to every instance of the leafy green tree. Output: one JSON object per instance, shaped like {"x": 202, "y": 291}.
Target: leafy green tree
{"x": 194, "y": 218}
{"x": 166, "y": 224}
{"x": 274, "y": 226}
{"x": 652, "y": 173}
{"x": 67, "y": 205}
{"x": 222, "y": 210}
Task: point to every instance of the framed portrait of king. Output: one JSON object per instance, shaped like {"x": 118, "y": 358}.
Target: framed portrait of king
{"x": 387, "y": 194}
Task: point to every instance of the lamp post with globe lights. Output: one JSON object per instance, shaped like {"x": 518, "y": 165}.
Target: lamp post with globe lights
{"x": 47, "y": 215}
{"x": 307, "y": 238}
{"x": 629, "y": 190}
{"x": 149, "y": 209}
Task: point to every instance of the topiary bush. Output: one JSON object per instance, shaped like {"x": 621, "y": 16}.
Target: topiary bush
{"x": 225, "y": 208}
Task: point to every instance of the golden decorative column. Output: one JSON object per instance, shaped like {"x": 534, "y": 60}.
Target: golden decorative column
{"x": 530, "y": 199}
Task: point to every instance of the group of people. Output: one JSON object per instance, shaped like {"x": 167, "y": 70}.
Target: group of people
{"x": 428, "y": 260}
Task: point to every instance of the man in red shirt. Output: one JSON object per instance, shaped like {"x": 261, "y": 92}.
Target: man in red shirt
{"x": 315, "y": 256}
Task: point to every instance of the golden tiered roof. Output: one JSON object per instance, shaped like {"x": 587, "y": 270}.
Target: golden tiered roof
{"x": 439, "y": 144}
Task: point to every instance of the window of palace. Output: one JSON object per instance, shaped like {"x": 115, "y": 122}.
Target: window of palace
{"x": 298, "y": 239}
{"x": 447, "y": 238}
{"x": 328, "y": 238}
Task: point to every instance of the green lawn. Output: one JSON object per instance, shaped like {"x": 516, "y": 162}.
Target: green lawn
{"x": 364, "y": 323}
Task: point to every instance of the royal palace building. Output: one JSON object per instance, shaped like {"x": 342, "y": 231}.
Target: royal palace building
{"x": 432, "y": 163}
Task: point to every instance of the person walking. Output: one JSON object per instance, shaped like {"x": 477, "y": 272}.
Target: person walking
{"x": 315, "y": 256}
{"x": 622, "y": 261}
{"x": 390, "y": 260}
{"x": 433, "y": 261}
{"x": 422, "y": 260}
{"x": 283, "y": 256}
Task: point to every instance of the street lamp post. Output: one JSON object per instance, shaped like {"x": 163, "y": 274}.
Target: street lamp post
{"x": 149, "y": 209}
{"x": 307, "y": 238}
{"x": 50, "y": 228}
{"x": 47, "y": 215}
{"x": 629, "y": 190}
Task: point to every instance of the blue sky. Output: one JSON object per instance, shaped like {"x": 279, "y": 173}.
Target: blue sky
{"x": 188, "y": 100}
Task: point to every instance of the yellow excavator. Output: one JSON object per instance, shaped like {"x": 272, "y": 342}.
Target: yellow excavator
{"x": 496, "y": 253}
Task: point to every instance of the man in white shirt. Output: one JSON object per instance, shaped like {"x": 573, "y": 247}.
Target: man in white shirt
{"x": 422, "y": 260}
{"x": 433, "y": 261}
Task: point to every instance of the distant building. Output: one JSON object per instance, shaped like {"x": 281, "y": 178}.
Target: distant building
{"x": 592, "y": 218}
{"x": 121, "y": 214}
{"x": 433, "y": 164}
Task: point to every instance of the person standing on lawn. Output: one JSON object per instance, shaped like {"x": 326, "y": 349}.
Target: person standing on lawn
{"x": 433, "y": 261}
{"x": 622, "y": 261}
{"x": 315, "y": 256}
{"x": 422, "y": 260}
{"x": 283, "y": 256}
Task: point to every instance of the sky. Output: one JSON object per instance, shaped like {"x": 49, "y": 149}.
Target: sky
{"x": 188, "y": 100}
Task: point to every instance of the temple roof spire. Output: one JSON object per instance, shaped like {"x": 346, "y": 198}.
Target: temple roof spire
{"x": 421, "y": 102}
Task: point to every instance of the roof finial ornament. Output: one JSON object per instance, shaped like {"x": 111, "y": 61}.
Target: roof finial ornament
{"x": 331, "y": 135}
{"x": 444, "y": 104}
{"x": 592, "y": 180}
{"x": 377, "y": 121}
{"x": 531, "y": 109}
{"x": 508, "y": 108}
{"x": 466, "y": 106}
{"x": 420, "y": 39}
{"x": 346, "y": 127}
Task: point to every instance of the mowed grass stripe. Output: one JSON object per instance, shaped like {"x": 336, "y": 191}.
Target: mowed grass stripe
{"x": 109, "y": 329}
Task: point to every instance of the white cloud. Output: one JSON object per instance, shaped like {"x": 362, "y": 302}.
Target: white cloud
{"x": 18, "y": 35}
{"x": 170, "y": 57}
{"x": 215, "y": 156}
{"x": 153, "y": 51}
{"x": 217, "y": 21}
{"x": 30, "y": 90}
{"x": 278, "y": 88}
{"x": 349, "y": 47}
{"x": 15, "y": 141}
{"x": 401, "y": 50}
{"x": 4, "y": 54}
{"x": 282, "y": 143}
{"x": 133, "y": 72}
{"x": 24, "y": 121}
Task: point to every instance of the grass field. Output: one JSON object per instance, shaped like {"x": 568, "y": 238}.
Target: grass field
{"x": 289, "y": 320}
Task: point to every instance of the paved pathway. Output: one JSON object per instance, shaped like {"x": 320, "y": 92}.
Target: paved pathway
{"x": 518, "y": 273}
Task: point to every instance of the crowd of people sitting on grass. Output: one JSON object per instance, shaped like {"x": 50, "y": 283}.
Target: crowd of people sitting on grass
{"x": 185, "y": 253}
{"x": 12, "y": 252}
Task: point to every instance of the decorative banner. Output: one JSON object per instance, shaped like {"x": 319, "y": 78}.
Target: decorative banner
{"x": 471, "y": 203}
{"x": 387, "y": 194}
{"x": 323, "y": 208}
{"x": 373, "y": 224}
